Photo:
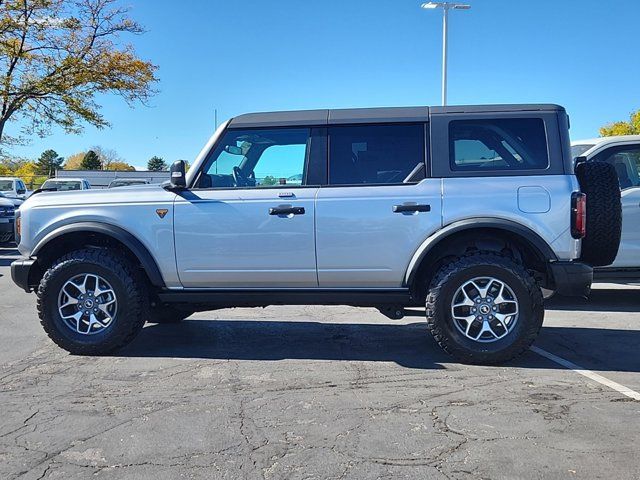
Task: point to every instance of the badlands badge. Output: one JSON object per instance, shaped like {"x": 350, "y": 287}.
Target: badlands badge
{"x": 162, "y": 212}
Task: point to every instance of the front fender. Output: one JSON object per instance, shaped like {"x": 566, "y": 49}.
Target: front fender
{"x": 130, "y": 241}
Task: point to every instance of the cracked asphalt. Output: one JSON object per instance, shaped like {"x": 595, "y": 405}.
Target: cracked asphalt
{"x": 318, "y": 393}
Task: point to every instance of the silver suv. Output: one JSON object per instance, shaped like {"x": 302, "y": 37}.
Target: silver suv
{"x": 471, "y": 211}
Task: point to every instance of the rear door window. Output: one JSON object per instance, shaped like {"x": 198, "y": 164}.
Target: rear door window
{"x": 376, "y": 154}
{"x": 498, "y": 145}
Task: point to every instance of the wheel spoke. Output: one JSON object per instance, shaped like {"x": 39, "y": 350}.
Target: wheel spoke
{"x": 486, "y": 327}
{"x": 467, "y": 302}
{"x": 502, "y": 318}
{"x": 70, "y": 301}
{"x": 481, "y": 290}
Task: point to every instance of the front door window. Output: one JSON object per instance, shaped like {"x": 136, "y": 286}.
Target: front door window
{"x": 257, "y": 158}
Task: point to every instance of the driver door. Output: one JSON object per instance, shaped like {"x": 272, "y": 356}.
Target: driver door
{"x": 249, "y": 221}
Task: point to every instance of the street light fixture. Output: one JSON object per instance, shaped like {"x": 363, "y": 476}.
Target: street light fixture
{"x": 446, "y": 6}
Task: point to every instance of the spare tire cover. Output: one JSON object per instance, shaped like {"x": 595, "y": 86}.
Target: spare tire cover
{"x": 599, "y": 181}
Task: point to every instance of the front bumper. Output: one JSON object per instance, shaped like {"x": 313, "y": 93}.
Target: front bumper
{"x": 572, "y": 279}
{"x": 6, "y": 230}
{"x": 20, "y": 270}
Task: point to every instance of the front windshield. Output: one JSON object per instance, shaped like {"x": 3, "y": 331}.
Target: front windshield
{"x": 6, "y": 185}
{"x": 578, "y": 150}
{"x": 62, "y": 185}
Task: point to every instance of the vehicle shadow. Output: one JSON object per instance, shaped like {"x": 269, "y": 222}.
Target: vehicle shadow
{"x": 600, "y": 300}
{"x": 408, "y": 345}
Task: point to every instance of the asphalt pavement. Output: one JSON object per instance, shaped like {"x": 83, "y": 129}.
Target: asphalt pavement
{"x": 321, "y": 393}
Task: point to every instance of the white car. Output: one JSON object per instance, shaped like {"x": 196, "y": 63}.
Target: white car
{"x": 623, "y": 152}
{"x": 14, "y": 189}
{"x": 66, "y": 184}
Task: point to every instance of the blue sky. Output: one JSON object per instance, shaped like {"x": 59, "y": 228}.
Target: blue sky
{"x": 258, "y": 55}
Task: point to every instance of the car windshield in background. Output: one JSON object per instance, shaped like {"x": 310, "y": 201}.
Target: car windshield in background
{"x": 62, "y": 185}
{"x": 578, "y": 150}
{"x": 6, "y": 185}
{"x": 126, "y": 183}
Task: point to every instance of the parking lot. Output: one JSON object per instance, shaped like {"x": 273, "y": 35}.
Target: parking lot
{"x": 318, "y": 393}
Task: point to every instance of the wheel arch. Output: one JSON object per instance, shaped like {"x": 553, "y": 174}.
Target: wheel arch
{"x": 461, "y": 229}
{"x": 82, "y": 233}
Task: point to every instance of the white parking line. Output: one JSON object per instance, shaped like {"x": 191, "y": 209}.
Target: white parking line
{"x": 588, "y": 373}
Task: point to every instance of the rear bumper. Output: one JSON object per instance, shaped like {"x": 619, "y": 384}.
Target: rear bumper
{"x": 20, "y": 272}
{"x": 572, "y": 279}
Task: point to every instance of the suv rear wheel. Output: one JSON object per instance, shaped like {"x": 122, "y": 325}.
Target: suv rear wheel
{"x": 484, "y": 309}
{"x": 90, "y": 302}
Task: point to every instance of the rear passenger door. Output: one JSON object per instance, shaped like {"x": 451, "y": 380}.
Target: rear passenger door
{"x": 377, "y": 207}
{"x": 626, "y": 160}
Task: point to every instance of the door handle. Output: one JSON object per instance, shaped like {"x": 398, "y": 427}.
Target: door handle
{"x": 286, "y": 211}
{"x": 411, "y": 208}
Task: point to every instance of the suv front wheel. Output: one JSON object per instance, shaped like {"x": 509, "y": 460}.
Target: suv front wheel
{"x": 484, "y": 309}
{"x": 90, "y": 302}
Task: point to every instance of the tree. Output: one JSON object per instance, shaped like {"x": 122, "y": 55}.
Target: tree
{"x": 28, "y": 171}
{"x": 58, "y": 55}
{"x": 107, "y": 157}
{"x": 74, "y": 161}
{"x": 49, "y": 162}
{"x": 121, "y": 167}
{"x": 632, "y": 127}
{"x": 91, "y": 161}
{"x": 269, "y": 180}
{"x": 156, "y": 164}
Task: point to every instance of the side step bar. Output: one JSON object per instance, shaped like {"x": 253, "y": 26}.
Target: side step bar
{"x": 224, "y": 298}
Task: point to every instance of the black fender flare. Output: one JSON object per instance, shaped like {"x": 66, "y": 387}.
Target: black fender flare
{"x": 130, "y": 241}
{"x": 528, "y": 235}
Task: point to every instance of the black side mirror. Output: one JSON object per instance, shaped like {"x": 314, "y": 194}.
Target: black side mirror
{"x": 21, "y": 192}
{"x": 178, "y": 178}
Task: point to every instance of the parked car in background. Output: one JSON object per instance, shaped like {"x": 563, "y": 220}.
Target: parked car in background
{"x": 14, "y": 189}
{"x": 7, "y": 219}
{"x": 127, "y": 182}
{"x": 63, "y": 185}
{"x": 623, "y": 152}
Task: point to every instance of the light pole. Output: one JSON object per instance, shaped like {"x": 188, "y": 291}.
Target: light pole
{"x": 446, "y": 6}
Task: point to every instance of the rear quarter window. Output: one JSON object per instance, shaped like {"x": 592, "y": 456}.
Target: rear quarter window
{"x": 486, "y": 145}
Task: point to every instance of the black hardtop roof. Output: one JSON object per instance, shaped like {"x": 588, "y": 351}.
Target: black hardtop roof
{"x": 372, "y": 115}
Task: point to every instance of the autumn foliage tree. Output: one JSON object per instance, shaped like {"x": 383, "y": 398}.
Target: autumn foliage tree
{"x": 74, "y": 161}
{"x": 632, "y": 127}
{"x": 57, "y": 55}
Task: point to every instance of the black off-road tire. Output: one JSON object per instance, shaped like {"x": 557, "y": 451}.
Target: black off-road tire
{"x": 599, "y": 181}
{"x": 167, "y": 314}
{"x": 130, "y": 291}
{"x": 452, "y": 276}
